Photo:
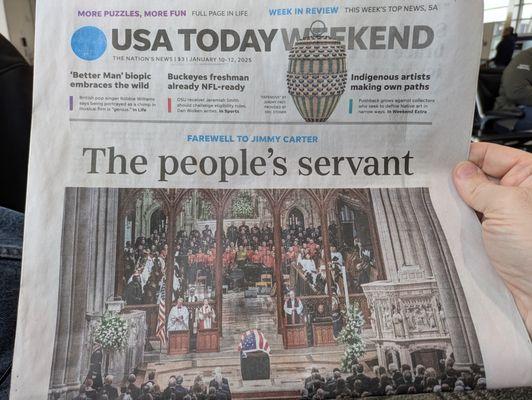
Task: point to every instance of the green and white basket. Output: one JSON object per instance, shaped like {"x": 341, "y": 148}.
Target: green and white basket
{"x": 317, "y": 76}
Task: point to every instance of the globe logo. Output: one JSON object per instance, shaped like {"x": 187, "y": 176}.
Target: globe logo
{"x": 89, "y": 43}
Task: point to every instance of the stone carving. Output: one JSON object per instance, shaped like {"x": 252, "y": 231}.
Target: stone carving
{"x": 405, "y": 312}
{"x": 443, "y": 321}
{"x": 411, "y": 273}
{"x": 399, "y": 328}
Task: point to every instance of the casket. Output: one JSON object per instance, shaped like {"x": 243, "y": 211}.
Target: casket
{"x": 254, "y": 355}
{"x": 255, "y": 365}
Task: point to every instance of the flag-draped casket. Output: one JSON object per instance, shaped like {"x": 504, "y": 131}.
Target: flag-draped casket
{"x": 254, "y": 355}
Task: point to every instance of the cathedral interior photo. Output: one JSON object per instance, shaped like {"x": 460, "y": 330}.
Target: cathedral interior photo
{"x": 257, "y": 283}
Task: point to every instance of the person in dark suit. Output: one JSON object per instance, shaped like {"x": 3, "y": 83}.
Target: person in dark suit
{"x": 146, "y": 395}
{"x": 358, "y": 375}
{"x": 151, "y": 378}
{"x": 419, "y": 380}
{"x": 505, "y": 48}
{"x": 81, "y": 394}
{"x": 396, "y": 375}
{"x": 179, "y": 389}
{"x": 134, "y": 390}
{"x": 133, "y": 292}
{"x": 90, "y": 392}
{"x": 95, "y": 368}
{"x": 220, "y": 383}
{"x": 109, "y": 389}
{"x": 169, "y": 391}
{"x": 310, "y": 378}
{"x": 216, "y": 394}
{"x": 408, "y": 383}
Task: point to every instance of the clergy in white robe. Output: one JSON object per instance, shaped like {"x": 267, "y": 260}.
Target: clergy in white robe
{"x": 207, "y": 316}
{"x": 308, "y": 264}
{"x": 178, "y": 318}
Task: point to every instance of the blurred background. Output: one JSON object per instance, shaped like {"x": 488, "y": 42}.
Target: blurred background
{"x": 17, "y": 23}
{"x": 501, "y": 13}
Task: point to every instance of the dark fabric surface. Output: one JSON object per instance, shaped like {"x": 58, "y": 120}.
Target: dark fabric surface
{"x": 15, "y": 122}
{"x": 11, "y": 229}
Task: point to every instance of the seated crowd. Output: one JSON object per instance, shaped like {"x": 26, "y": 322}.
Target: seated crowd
{"x": 216, "y": 389}
{"x": 195, "y": 255}
{"x": 391, "y": 382}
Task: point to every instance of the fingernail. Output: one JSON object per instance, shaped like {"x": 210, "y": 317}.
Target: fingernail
{"x": 466, "y": 170}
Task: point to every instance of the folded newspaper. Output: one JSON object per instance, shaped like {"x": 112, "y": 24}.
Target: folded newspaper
{"x": 253, "y": 200}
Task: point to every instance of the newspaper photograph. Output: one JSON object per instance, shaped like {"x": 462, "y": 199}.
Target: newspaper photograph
{"x": 338, "y": 307}
{"x": 254, "y": 201}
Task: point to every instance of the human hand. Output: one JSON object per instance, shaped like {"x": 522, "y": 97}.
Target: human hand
{"x": 497, "y": 182}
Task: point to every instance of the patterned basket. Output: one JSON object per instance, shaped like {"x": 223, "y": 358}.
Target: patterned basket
{"x": 317, "y": 76}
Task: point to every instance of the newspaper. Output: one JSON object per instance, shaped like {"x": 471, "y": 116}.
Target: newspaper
{"x": 254, "y": 198}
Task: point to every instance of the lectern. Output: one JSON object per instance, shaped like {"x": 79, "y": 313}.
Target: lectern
{"x": 296, "y": 336}
{"x": 322, "y": 333}
{"x": 178, "y": 342}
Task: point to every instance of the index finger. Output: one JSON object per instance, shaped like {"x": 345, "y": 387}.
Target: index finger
{"x": 496, "y": 160}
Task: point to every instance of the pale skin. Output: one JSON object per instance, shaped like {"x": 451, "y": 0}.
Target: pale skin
{"x": 497, "y": 182}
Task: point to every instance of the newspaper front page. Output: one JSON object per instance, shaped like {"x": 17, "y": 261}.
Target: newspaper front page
{"x": 253, "y": 200}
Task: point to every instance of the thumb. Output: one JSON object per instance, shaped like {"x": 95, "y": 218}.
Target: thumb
{"x": 474, "y": 186}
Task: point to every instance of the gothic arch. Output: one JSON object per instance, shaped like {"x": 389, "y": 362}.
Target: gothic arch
{"x": 297, "y": 213}
{"x": 149, "y": 215}
{"x": 360, "y": 199}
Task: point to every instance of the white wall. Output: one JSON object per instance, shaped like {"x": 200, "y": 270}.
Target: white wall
{"x": 20, "y": 15}
{"x": 3, "y": 20}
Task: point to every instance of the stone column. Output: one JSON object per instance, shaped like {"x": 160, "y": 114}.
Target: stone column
{"x": 120, "y": 281}
{"x": 66, "y": 368}
{"x": 404, "y": 354}
{"x": 417, "y": 224}
{"x": 381, "y": 355}
{"x": 410, "y": 234}
{"x": 219, "y": 266}
{"x": 395, "y": 358}
{"x": 278, "y": 274}
{"x": 326, "y": 250}
{"x": 395, "y": 207}
{"x": 133, "y": 227}
{"x": 458, "y": 319}
{"x": 102, "y": 260}
{"x": 87, "y": 277}
{"x": 170, "y": 257}
{"x": 386, "y": 230}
